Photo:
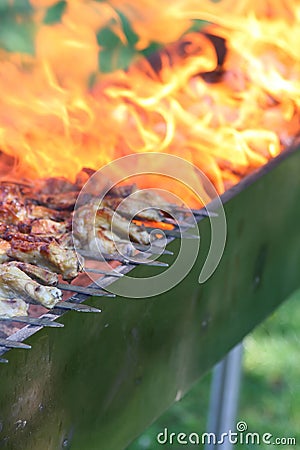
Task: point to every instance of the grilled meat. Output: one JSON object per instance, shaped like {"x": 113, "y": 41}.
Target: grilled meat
{"x": 109, "y": 220}
{"x": 122, "y": 191}
{"x": 13, "y": 307}
{"x": 36, "y": 242}
{"x": 132, "y": 207}
{"x": 60, "y": 202}
{"x": 49, "y": 255}
{"x": 47, "y": 226}
{"x": 150, "y": 198}
{"x": 15, "y": 283}
{"x": 91, "y": 217}
{"x": 54, "y": 185}
{"x": 42, "y": 212}
{"x": 16, "y": 212}
{"x": 39, "y": 274}
{"x": 12, "y": 207}
{"x": 4, "y": 249}
{"x": 107, "y": 242}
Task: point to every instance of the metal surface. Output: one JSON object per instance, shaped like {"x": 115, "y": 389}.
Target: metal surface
{"x": 8, "y": 343}
{"x": 99, "y": 382}
{"x": 36, "y": 321}
{"x": 224, "y": 399}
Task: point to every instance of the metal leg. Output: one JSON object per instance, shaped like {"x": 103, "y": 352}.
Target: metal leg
{"x": 224, "y": 397}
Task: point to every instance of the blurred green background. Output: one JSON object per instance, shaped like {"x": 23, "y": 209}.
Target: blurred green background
{"x": 270, "y": 388}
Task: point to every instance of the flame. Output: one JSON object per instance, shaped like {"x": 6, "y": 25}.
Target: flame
{"x": 52, "y": 123}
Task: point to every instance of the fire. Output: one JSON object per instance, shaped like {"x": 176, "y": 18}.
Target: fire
{"x": 54, "y": 121}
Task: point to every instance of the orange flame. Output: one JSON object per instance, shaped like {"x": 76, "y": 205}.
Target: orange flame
{"x": 52, "y": 124}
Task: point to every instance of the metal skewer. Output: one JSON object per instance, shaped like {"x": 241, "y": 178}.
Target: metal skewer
{"x": 142, "y": 247}
{"x": 173, "y": 233}
{"x": 111, "y": 257}
{"x": 197, "y": 212}
{"x": 126, "y": 261}
{"x": 175, "y": 223}
{"x": 154, "y": 248}
{"x": 33, "y": 321}
{"x": 104, "y": 272}
{"x": 13, "y": 344}
{"x": 77, "y": 307}
{"x": 83, "y": 290}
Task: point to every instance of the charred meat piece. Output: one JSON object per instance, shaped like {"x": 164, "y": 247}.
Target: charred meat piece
{"x": 48, "y": 226}
{"x": 109, "y": 220}
{"x": 13, "y": 307}
{"x": 54, "y": 185}
{"x": 49, "y": 255}
{"x": 61, "y": 201}
{"x": 90, "y": 217}
{"x": 122, "y": 191}
{"x": 83, "y": 223}
{"x": 15, "y": 212}
{"x": 106, "y": 242}
{"x": 43, "y": 276}
{"x": 4, "y": 249}
{"x": 9, "y": 192}
{"x": 132, "y": 207}
{"x": 150, "y": 198}
{"x": 15, "y": 283}
{"x": 12, "y": 204}
{"x": 42, "y": 212}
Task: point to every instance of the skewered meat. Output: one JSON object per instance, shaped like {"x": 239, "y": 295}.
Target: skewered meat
{"x": 36, "y": 242}
{"x": 12, "y": 209}
{"x": 131, "y": 206}
{"x": 90, "y": 216}
{"x": 39, "y": 274}
{"x": 4, "y": 248}
{"x": 150, "y": 198}
{"x": 13, "y": 307}
{"x": 110, "y": 220}
{"x": 15, "y": 283}
{"x": 47, "y": 226}
{"x": 54, "y": 185}
{"x": 61, "y": 201}
{"x": 49, "y": 255}
{"x": 42, "y": 212}
{"x": 122, "y": 191}
{"x": 107, "y": 242}
{"x": 16, "y": 212}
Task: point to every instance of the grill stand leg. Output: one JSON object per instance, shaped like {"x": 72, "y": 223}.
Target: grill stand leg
{"x": 224, "y": 398}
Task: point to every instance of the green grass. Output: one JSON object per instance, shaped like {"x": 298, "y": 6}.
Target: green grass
{"x": 270, "y": 390}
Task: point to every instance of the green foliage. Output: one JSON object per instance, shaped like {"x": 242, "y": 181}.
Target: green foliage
{"x": 198, "y": 24}
{"x": 114, "y": 53}
{"x": 15, "y": 6}
{"x": 131, "y": 36}
{"x": 17, "y": 34}
{"x": 17, "y": 29}
{"x": 152, "y": 48}
{"x": 55, "y": 12}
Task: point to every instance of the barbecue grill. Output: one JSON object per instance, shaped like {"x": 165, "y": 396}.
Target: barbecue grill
{"x": 103, "y": 378}
{"x": 96, "y": 380}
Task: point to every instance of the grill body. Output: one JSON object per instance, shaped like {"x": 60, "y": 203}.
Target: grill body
{"x": 100, "y": 381}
